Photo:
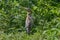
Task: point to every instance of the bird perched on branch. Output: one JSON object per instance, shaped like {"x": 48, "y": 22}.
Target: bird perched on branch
{"x": 29, "y": 21}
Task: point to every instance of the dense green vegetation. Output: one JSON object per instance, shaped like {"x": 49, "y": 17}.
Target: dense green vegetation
{"x": 46, "y": 14}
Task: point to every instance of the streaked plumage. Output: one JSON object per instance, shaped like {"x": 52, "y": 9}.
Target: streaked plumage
{"x": 28, "y": 22}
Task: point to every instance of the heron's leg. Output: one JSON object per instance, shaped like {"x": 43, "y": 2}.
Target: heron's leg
{"x": 28, "y": 30}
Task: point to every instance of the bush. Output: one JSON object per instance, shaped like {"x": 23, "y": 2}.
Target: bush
{"x": 46, "y": 14}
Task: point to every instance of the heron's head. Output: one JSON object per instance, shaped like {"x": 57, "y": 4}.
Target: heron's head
{"x": 28, "y": 10}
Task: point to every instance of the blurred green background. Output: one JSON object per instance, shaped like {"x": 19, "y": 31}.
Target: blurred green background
{"x": 46, "y": 14}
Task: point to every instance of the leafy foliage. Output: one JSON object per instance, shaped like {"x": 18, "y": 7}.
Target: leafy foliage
{"x": 46, "y": 14}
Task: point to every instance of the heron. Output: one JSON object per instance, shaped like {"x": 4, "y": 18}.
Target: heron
{"x": 29, "y": 20}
